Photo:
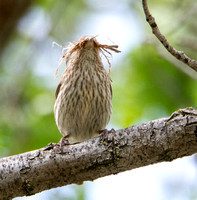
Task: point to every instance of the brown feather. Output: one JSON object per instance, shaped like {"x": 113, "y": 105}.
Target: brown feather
{"x": 83, "y": 98}
{"x": 58, "y": 89}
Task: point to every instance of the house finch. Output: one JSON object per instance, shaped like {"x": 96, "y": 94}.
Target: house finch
{"x": 83, "y": 97}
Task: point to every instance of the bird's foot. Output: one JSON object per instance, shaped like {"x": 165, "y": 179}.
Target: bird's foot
{"x": 63, "y": 141}
{"x": 104, "y": 133}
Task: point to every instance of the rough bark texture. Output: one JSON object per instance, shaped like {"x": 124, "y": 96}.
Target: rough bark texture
{"x": 180, "y": 55}
{"x": 140, "y": 145}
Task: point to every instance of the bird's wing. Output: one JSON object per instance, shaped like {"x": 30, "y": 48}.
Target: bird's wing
{"x": 58, "y": 89}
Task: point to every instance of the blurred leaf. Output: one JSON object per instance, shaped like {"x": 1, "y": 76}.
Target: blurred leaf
{"x": 74, "y": 192}
{"x": 147, "y": 87}
{"x": 26, "y": 118}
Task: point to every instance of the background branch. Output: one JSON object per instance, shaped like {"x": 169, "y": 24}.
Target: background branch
{"x": 10, "y": 13}
{"x": 140, "y": 145}
{"x": 180, "y": 55}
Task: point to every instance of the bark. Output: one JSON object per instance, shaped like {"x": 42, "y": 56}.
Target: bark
{"x": 180, "y": 55}
{"x": 136, "y": 146}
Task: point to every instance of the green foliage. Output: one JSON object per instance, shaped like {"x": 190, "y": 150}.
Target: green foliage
{"x": 65, "y": 16}
{"x": 27, "y": 120}
{"x": 76, "y": 192}
{"x": 27, "y": 99}
{"x": 147, "y": 87}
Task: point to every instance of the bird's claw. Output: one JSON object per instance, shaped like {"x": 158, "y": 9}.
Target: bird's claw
{"x": 104, "y": 133}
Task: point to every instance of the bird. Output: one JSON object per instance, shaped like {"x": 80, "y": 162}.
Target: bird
{"x": 83, "y": 104}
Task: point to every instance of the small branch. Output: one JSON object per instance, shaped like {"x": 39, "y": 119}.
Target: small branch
{"x": 136, "y": 146}
{"x": 180, "y": 55}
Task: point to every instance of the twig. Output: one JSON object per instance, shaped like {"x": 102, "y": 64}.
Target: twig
{"x": 180, "y": 55}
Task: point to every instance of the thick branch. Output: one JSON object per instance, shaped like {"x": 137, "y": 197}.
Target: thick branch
{"x": 180, "y": 55}
{"x": 140, "y": 145}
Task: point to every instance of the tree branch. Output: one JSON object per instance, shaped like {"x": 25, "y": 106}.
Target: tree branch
{"x": 10, "y": 13}
{"x": 136, "y": 146}
{"x": 180, "y": 55}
